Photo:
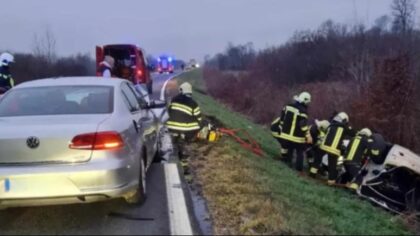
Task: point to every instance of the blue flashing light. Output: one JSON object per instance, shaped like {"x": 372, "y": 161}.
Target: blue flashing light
{"x": 170, "y": 59}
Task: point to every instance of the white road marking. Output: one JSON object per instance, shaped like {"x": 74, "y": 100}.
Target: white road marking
{"x": 162, "y": 91}
{"x": 179, "y": 219}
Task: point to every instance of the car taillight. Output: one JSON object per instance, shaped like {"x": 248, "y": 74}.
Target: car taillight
{"x": 108, "y": 140}
{"x": 139, "y": 72}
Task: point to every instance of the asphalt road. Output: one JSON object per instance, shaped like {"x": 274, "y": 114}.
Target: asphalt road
{"x": 111, "y": 217}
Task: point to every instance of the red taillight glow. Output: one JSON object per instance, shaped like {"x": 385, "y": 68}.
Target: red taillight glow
{"x": 139, "y": 73}
{"x": 108, "y": 140}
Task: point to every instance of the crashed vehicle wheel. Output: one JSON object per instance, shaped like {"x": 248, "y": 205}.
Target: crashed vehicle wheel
{"x": 395, "y": 184}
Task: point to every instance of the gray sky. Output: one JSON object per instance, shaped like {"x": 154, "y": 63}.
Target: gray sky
{"x": 184, "y": 28}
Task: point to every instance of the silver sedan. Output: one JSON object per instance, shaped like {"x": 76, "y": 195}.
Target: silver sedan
{"x": 75, "y": 140}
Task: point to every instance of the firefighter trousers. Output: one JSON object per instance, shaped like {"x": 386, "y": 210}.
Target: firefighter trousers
{"x": 353, "y": 172}
{"x": 332, "y": 164}
{"x": 291, "y": 148}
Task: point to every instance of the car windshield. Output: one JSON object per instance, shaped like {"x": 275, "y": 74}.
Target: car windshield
{"x": 58, "y": 100}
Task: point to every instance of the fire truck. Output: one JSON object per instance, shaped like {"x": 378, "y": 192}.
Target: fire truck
{"x": 165, "y": 64}
{"x": 130, "y": 63}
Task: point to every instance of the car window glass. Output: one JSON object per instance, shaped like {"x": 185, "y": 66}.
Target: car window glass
{"x": 58, "y": 100}
{"x": 130, "y": 97}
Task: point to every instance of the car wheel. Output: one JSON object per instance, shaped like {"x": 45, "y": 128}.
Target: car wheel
{"x": 139, "y": 196}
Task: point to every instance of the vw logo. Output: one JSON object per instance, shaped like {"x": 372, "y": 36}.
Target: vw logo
{"x": 32, "y": 142}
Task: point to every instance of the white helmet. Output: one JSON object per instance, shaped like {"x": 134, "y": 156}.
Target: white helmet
{"x": 366, "y": 132}
{"x": 322, "y": 124}
{"x": 6, "y": 58}
{"x": 341, "y": 117}
{"x": 185, "y": 88}
{"x": 304, "y": 97}
{"x": 110, "y": 60}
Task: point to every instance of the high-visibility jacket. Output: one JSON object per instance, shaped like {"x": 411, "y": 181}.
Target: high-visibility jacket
{"x": 276, "y": 128}
{"x": 294, "y": 123}
{"x": 6, "y": 79}
{"x": 377, "y": 149}
{"x": 357, "y": 149}
{"x": 333, "y": 140}
{"x": 317, "y": 135}
{"x": 184, "y": 114}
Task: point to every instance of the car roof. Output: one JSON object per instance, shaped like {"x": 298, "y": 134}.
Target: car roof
{"x": 66, "y": 81}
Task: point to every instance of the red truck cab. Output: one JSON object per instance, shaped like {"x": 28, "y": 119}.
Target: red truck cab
{"x": 130, "y": 63}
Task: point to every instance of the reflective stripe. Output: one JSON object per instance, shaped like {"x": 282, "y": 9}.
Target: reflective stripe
{"x": 313, "y": 170}
{"x": 275, "y": 121}
{"x": 305, "y": 128}
{"x": 275, "y": 134}
{"x": 182, "y": 128}
{"x": 375, "y": 152}
{"x": 354, "y": 148}
{"x": 337, "y": 137}
{"x": 175, "y": 104}
{"x": 354, "y": 186}
{"x": 292, "y": 138}
{"x": 331, "y": 182}
{"x": 330, "y": 150}
{"x": 180, "y": 109}
{"x": 284, "y": 151}
{"x": 12, "y": 82}
{"x": 182, "y": 124}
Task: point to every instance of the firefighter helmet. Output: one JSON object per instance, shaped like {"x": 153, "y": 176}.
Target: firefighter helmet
{"x": 322, "y": 124}
{"x": 6, "y": 58}
{"x": 366, "y": 132}
{"x": 341, "y": 117}
{"x": 303, "y": 97}
{"x": 185, "y": 88}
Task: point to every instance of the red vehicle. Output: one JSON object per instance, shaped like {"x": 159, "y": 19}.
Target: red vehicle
{"x": 130, "y": 63}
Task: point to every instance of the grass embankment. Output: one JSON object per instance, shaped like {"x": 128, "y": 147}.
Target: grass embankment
{"x": 247, "y": 194}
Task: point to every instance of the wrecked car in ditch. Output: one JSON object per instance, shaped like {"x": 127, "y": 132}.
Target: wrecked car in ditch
{"x": 393, "y": 182}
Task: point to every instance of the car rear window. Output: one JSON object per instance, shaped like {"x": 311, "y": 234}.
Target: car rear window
{"x": 57, "y": 100}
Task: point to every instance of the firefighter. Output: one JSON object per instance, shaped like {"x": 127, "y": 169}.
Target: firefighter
{"x": 378, "y": 149}
{"x": 184, "y": 121}
{"x": 355, "y": 156}
{"x": 295, "y": 130}
{"x": 6, "y": 79}
{"x": 332, "y": 145}
{"x": 317, "y": 131}
{"x": 106, "y": 67}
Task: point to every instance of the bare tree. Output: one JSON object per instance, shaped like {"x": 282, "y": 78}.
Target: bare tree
{"x": 403, "y": 12}
{"x": 45, "y": 45}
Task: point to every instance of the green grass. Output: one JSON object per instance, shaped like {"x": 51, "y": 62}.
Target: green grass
{"x": 305, "y": 206}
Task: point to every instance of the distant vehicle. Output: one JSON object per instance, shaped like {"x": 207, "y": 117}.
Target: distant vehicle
{"x": 75, "y": 140}
{"x": 165, "y": 64}
{"x": 130, "y": 63}
{"x": 193, "y": 64}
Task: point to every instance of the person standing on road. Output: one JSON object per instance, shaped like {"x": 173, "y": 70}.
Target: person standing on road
{"x": 295, "y": 130}
{"x": 6, "y": 79}
{"x": 106, "y": 67}
{"x": 332, "y": 144}
{"x": 184, "y": 117}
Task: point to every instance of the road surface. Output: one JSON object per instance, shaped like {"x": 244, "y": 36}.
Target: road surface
{"x": 112, "y": 217}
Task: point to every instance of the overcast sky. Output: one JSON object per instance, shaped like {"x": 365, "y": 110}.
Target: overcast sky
{"x": 184, "y": 28}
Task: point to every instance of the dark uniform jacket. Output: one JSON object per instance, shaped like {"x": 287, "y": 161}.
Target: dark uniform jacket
{"x": 6, "y": 80}
{"x": 333, "y": 141}
{"x": 357, "y": 149}
{"x": 294, "y": 123}
{"x": 184, "y": 114}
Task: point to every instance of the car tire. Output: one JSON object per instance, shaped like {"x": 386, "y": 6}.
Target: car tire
{"x": 139, "y": 196}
